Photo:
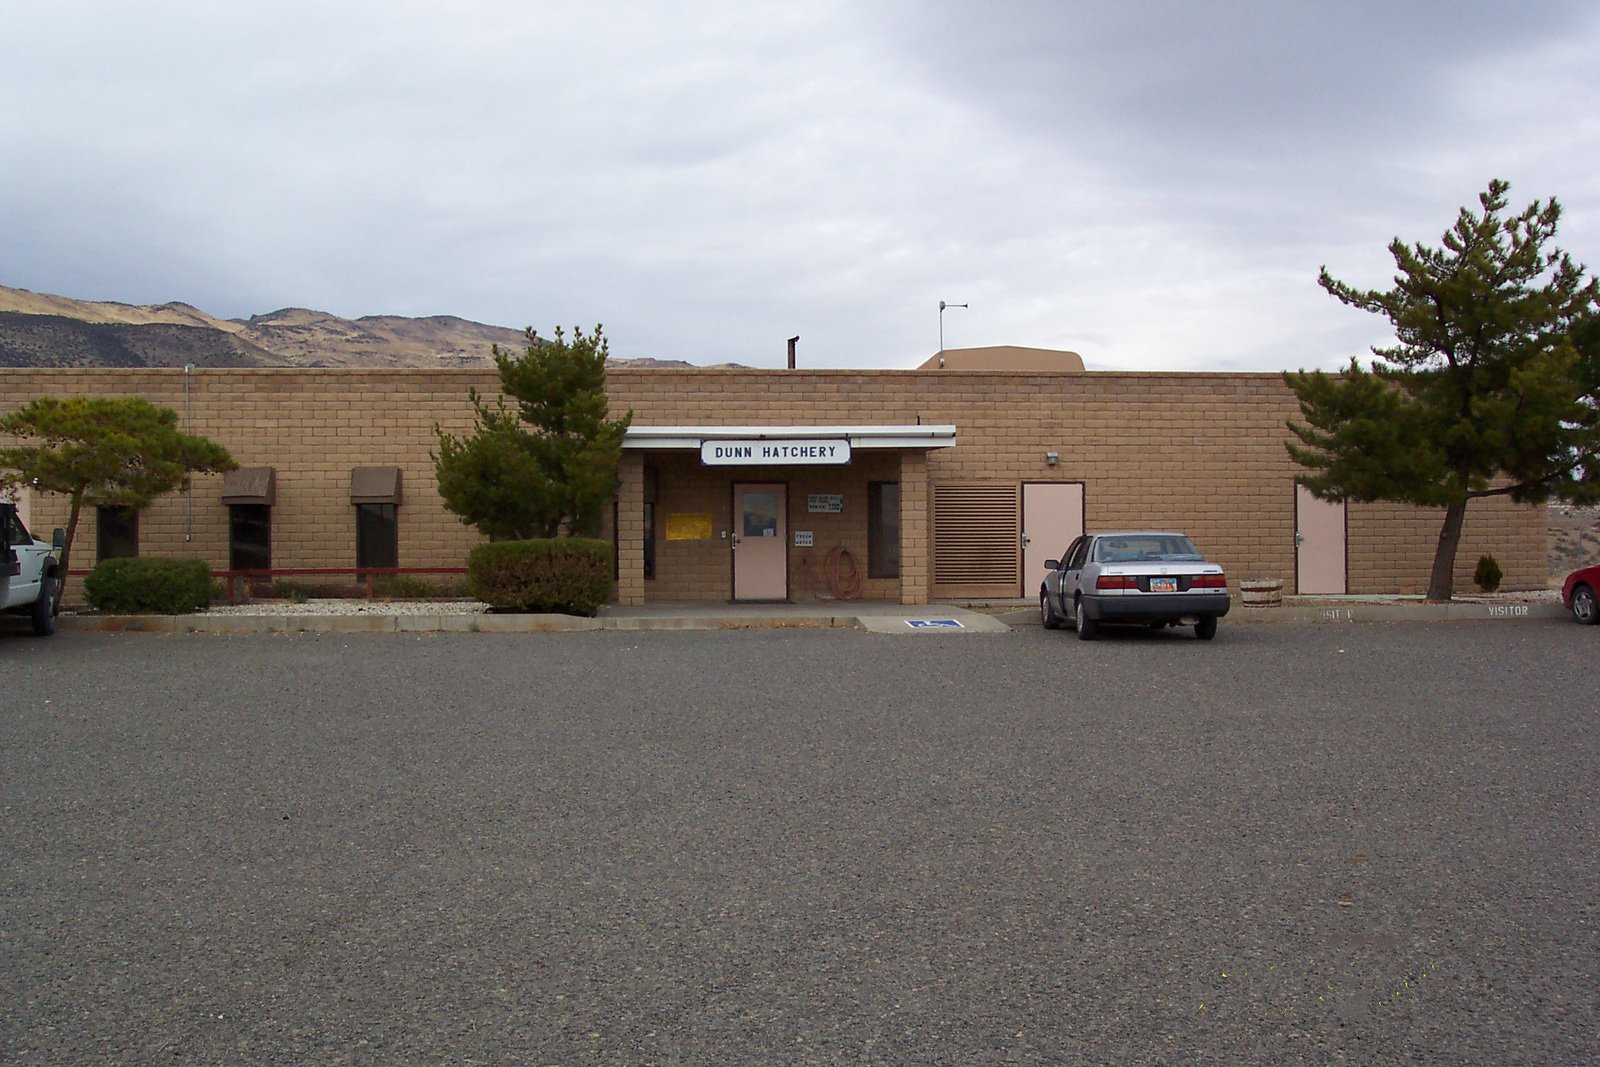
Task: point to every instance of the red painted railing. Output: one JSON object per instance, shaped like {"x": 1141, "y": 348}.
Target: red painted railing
{"x": 369, "y": 573}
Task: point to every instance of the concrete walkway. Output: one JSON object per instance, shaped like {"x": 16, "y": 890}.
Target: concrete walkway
{"x": 873, "y": 616}
{"x": 379, "y": 617}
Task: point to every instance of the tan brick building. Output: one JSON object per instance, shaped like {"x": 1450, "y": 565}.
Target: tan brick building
{"x": 930, "y": 484}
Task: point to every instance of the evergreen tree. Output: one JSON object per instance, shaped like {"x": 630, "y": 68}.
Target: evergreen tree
{"x": 550, "y": 466}
{"x": 103, "y": 452}
{"x": 1492, "y": 389}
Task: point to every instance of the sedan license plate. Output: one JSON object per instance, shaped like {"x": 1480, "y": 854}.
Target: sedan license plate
{"x": 1163, "y": 585}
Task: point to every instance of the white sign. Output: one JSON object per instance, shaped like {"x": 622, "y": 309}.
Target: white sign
{"x": 825, "y": 503}
{"x": 756, "y": 452}
{"x": 802, "y": 539}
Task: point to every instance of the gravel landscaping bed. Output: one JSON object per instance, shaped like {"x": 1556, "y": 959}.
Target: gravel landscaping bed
{"x": 353, "y": 607}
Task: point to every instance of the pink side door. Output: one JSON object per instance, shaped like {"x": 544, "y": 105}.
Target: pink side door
{"x": 1052, "y": 518}
{"x": 760, "y": 532}
{"x": 1319, "y": 539}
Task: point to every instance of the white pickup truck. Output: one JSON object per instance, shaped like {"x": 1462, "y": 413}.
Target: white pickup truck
{"x": 30, "y": 573}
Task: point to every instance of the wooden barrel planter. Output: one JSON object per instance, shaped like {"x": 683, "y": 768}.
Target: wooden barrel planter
{"x": 1261, "y": 592}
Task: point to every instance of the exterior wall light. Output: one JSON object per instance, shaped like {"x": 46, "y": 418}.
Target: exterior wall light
{"x": 1052, "y": 458}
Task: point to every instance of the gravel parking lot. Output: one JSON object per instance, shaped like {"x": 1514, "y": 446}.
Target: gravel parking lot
{"x": 1294, "y": 844}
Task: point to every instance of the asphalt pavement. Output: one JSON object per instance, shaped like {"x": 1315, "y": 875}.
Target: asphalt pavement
{"x": 1368, "y": 843}
{"x": 383, "y": 616}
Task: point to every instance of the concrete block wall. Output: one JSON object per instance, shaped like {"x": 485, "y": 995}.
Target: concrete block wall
{"x": 916, "y": 518}
{"x": 313, "y": 427}
{"x": 1199, "y": 452}
{"x": 630, "y": 531}
{"x": 1391, "y": 546}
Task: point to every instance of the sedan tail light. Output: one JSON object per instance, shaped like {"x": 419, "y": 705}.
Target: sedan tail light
{"x": 1116, "y": 581}
{"x": 1209, "y": 581}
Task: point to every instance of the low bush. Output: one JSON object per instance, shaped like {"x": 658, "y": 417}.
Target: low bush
{"x": 145, "y": 586}
{"x": 294, "y": 592}
{"x": 415, "y": 587}
{"x": 1488, "y": 575}
{"x": 568, "y": 575}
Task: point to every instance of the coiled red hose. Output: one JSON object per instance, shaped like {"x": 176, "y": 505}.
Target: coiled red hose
{"x": 844, "y": 575}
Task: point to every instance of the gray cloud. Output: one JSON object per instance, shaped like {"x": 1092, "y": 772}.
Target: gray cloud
{"x": 1154, "y": 185}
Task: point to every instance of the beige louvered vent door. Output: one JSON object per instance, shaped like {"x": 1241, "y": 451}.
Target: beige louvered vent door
{"x": 975, "y": 540}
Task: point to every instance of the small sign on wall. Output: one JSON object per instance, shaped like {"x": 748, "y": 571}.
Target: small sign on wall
{"x": 688, "y": 527}
{"x": 825, "y": 503}
{"x": 802, "y": 539}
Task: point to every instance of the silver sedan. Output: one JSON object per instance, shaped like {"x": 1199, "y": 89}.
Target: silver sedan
{"x": 1140, "y": 577}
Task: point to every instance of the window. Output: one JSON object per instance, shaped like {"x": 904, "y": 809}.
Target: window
{"x": 652, "y": 492}
{"x": 118, "y": 533}
{"x": 9, "y": 564}
{"x": 649, "y": 541}
{"x": 15, "y": 532}
{"x": 249, "y": 537}
{"x": 12, "y": 533}
{"x": 1073, "y": 560}
{"x": 377, "y": 535}
{"x": 249, "y": 493}
{"x": 883, "y": 529}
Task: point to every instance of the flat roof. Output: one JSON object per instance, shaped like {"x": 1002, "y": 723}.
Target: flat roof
{"x": 912, "y": 436}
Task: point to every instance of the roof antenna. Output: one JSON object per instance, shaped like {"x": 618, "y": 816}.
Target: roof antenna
{"x": 942, "y": 306}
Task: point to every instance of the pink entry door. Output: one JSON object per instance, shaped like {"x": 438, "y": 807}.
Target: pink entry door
{"x": 1052, "y": 518}
{"x": 760, "y": 529}
{"x": 1319, "y": 538}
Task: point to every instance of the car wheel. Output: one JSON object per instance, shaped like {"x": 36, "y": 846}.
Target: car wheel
{"x": 1087, "y": 627}
{"x": 1047, "y": 612}
{"x": 1584, "y": 607}
{"x": 1206, "y": 628}
{"x": 45, "y": 608}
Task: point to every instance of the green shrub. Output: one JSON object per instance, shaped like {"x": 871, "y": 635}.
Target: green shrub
{"x": 294, "y": 592}
{"x": 415, "y": 587}
{"x": 455, "y": 587}
{"x": 569, "y": 575}
{"x": 1488, "y": 574}
{"x": 145, "y": 586}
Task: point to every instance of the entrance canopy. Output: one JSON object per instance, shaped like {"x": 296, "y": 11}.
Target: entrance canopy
{"x": 744, "y": 482}
{"x": 696, "y": 438}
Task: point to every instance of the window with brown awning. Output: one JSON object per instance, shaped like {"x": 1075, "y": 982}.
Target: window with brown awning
{"x": 250, "y": 485}
{"x": 375, "y": 485}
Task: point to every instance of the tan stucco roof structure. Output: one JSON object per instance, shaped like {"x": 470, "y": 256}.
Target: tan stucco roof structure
{"x": 1004, "y": 357}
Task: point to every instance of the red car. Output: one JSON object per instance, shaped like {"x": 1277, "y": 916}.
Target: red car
{"x": 1579, "y": 594}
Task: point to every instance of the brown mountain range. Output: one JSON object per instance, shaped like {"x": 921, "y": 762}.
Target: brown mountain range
{"x": 44, "y": 330}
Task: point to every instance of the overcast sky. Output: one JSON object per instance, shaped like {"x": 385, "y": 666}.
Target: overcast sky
{"x": 1151, "y": 184}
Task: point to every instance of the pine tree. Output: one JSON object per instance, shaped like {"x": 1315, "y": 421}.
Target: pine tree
{"x": 549, "y": 466}
{"x": 102, "y": 452}
{"x": 1492, "y": 389}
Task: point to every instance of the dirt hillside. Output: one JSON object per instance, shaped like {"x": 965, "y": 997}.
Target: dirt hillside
{"x": 1574, "y": 539}
{"x": 45, "y": 330}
